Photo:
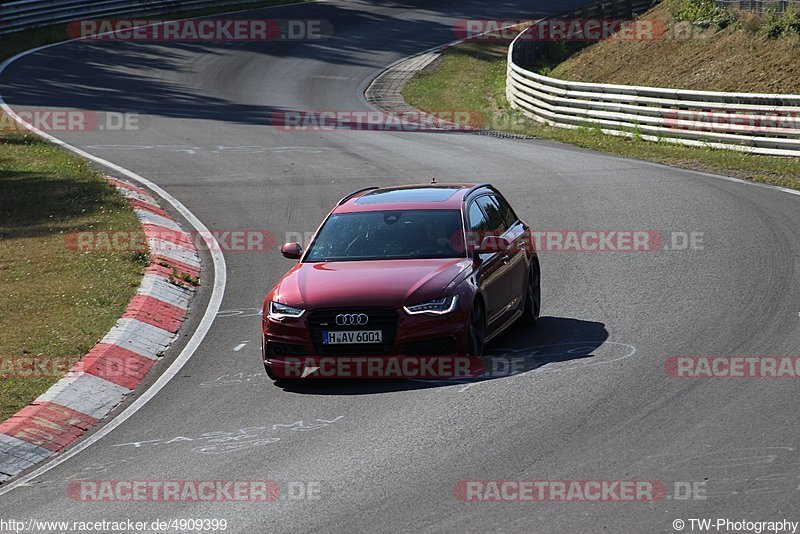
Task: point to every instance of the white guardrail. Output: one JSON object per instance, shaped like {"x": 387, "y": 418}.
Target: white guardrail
{"x": 747, "y": 122}
{"x": 760, "y": 6}
{"x": 24, "y": 14}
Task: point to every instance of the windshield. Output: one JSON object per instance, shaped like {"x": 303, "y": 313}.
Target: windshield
{"x": 387, "y": 235}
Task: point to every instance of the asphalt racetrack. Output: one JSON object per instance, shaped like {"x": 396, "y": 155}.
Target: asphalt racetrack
{"x": 596, "y": 403}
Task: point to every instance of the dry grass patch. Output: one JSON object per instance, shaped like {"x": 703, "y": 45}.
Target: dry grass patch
{"x": 740, "y": 57}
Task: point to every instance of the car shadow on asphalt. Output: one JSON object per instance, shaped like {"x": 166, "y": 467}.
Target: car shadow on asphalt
{"x": 553, "y": 344}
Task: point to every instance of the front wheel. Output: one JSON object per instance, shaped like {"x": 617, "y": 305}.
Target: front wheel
{"x": 533, "y": 294}
{"x": 275, "y": 377}
{"x": 270, "y": 373}
{"x": 477, "y": 330}
{"x": 279, "y": 380}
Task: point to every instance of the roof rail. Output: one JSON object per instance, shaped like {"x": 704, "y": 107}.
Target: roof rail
{"x": 354, "y": 193}
{"x": 475, "y": 188}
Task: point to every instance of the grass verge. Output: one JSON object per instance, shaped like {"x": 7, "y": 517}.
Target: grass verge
{"x": 55, "y": 302}
{"x": 471, "y": 77}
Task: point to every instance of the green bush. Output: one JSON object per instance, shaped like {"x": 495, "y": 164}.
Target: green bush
{"x": 781, "y": 23}
{"x": 700, "y": 12}
{"x": 706, "y": 13}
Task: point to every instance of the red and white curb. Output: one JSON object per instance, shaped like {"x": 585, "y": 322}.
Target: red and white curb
{"x": 113, "y": 368}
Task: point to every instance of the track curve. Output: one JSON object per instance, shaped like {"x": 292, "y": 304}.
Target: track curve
{"x": 388, "y": 455}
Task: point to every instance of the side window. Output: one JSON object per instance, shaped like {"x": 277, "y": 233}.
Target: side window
{"x": 477, "y": 220}
{"x": 508, "y": 214}
{"x": 495, "y": 219}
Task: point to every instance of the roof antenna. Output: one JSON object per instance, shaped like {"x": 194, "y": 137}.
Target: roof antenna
{"x": 433, "y": 181}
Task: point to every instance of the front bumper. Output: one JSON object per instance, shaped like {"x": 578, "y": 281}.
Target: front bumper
{"x": 418, "y": 346}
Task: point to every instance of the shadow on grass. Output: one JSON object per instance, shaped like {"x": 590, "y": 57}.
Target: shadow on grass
{"x": 39, "y": 204}
{"x": 19, "y": 139}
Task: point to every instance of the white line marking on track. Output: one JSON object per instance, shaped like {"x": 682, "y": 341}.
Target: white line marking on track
{"x": 240, "y": 346}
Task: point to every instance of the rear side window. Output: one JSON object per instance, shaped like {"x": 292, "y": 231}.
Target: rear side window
{"x": 505, "y": 210}
{"x": 496, "y": 221}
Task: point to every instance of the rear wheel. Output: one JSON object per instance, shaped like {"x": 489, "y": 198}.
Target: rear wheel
{"x": 533, "y": 294}
{"x": 477, "y": 330}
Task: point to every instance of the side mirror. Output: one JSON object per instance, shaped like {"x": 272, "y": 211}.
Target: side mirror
{"x": 492, "y": 244}
{"x": 293, "y": 251}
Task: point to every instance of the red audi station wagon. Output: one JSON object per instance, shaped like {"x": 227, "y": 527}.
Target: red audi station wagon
{"x": 404, "y": 272}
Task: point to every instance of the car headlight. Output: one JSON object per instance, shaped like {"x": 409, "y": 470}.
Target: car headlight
{"x": 438, "y": 306}
{"x": 280, "y": 311}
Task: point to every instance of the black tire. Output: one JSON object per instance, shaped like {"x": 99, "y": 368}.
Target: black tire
{"x": 533, "y": 294}
{"x": 477, "y": 330}
{"x": 272, "y": 376}
{"x": 279, "y": 381}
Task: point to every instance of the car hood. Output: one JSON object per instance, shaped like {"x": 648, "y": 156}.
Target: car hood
{"x": 367, "y": 283}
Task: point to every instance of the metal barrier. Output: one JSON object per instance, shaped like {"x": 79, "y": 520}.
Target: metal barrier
{"x": 25, "y": 14}
{"x": 747, "y": 122}
{"x": 760, "y": 6}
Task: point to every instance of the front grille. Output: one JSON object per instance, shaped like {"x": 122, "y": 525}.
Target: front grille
{"x": 384, "y": 319}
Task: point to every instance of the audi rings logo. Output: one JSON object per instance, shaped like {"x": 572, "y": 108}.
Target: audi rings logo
{"x": 352, "y": 319}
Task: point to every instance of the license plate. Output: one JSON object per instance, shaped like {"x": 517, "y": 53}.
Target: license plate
{"x": 352, "y": 338}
